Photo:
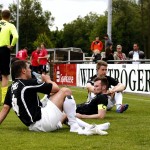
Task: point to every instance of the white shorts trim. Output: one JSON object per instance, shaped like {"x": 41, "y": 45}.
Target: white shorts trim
{"x": 50, "y": 119}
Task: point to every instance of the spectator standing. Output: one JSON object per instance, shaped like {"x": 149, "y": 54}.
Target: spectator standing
{"x": 34, "y": 60}
{"x": 136, "y": 54}
{"x": 6, "y": 31}
{"x": 119, "y": 55}
{"x": 43, "y": 59}
{"x": 96, "y": 47}
{"x": 22, "y": 54}
{"x": 108, "y": 42}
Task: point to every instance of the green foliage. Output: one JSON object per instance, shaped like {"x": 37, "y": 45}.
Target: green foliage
{"x": 78, "y": 32}
{"x": 42, "y": 38}
{"x": 126, "y": 21}
{"x": 128, "y": 131}
{"x": 32, "y": 21}
{"x": 130, "y": 24}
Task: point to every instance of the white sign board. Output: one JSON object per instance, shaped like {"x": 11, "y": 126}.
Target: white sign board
{"x": 136, "y": 77}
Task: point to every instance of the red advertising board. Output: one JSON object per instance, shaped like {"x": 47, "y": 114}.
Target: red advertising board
{"x": 65, "y": 74}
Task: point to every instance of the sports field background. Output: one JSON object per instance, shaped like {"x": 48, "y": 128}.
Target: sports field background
{"x": 128, "y": 131}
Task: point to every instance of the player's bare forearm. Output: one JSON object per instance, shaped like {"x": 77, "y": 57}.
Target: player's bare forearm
{"x": 5, "y": 110}
{"x": 119, "y": 88}
{"x": 94, "y": 116}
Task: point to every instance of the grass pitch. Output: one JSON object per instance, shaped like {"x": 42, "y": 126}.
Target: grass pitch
{"x": 128, "y": 131}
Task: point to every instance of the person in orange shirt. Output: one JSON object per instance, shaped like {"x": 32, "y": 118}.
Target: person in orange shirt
{"x": 96, "y": 47}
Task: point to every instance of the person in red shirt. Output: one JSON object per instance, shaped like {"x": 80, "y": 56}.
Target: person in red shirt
{"x": 22, "y": 54}
{"x": 43, "y": 59}
{"x": 34, "y": 60}
{"x": 96, "y": 47}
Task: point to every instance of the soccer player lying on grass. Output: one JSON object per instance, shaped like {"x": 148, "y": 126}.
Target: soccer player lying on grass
{"x": 96, "y": 107}
{"x": 23, "y": 98}
{"x": 115, "y": 97}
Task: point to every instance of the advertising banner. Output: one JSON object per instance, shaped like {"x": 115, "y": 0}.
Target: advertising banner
{"x": 84, "y": 72}
{"x": 65, "y": 74}
{"x": 136, "y": 77}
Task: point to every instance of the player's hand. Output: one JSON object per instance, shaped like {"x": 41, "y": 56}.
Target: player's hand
{"x": 46, "y": 78}
{"x": 10, "y": 47}
{"x": 111, "y": 93}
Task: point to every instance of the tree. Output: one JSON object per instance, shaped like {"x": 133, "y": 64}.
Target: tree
{"x": 77, "y": 33}
{"x": 43, "y": 38}
{"x": 145, "y": 20}
{"x": 32, "y": 21}
{"x": 126, "y": 24}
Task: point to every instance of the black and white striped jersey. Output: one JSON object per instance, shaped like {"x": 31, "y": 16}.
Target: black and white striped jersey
{"x": 23, "y": 97}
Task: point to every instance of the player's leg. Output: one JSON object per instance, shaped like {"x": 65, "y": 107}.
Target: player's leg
{"x": 111, "y": 103}
{"x": 5, "y": 70}
{"x": 104, "y": 126}
{"x": 120, "y": 108}
{"x": 59, "y": 97}
{"x": 65, "y": 101}
{"x": 118, "y": 98}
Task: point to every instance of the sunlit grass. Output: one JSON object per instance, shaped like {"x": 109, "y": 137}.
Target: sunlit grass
{"x": 128, "y": 131}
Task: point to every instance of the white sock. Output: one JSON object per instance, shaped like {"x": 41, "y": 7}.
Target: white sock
{"x": 69, "y": 107}
{"x": 82, "y": 123}
{"x": 104, "y": 126}
{"x": 118, "y": 98}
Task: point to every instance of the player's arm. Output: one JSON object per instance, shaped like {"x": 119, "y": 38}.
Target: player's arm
{"x": 47, "y": 79}
{"x": 14, "y": 34}
{"x": 118, "y": 88}
{"x": 101, "y": 113}
{"x": 4, "y": 112}
{"x": 90, "y": 87}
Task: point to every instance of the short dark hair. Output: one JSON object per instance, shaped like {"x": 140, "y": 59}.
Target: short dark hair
{"x": 5, "y": 14}
{"x": 103, "y": 80}
{"x": 136, "y": 44}
{"x": 17, "y": 67}
{"x": 14, "y": 59}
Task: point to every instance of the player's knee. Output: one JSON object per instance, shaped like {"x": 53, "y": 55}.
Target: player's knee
{"x": 66, "y": 91}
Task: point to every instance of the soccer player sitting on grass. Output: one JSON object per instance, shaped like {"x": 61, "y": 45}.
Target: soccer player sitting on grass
{"x": 114, "y": 93}
{"x": 97, "y": 106}
{"x": 22, "y": 96}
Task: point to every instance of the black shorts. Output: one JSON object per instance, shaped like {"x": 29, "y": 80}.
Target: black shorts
{"x": 82, "y": 109}
{"x": 35, "y": 68}
{"x": 42, "y": 68}
{"x": 4, "y": 60}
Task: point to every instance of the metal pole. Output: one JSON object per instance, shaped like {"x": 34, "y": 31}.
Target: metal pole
{"x": 17, "y": 44}
{"x": 109, "y": 23}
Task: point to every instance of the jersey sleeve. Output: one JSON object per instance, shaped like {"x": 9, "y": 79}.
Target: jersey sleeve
{"x": 8, "y": 98}
{"x": 91, "y": 80}
{"x": 112, "y": 81}
{"x": 40, "y": 87}
{"x": 102, "y": 99}
{"x": 14, "y": 34}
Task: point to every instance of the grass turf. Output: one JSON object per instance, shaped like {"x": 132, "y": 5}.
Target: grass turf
{"x": 128, "y": 131}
